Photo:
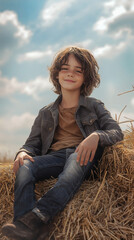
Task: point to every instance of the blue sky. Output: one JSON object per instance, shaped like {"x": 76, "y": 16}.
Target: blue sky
{"x": 31, "y": 32}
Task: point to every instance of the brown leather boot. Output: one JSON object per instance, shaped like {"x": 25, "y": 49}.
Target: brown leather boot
{"x": 17, "y": 231}
{"x": 44, "y": 232}
{"x": 26, "y": 227}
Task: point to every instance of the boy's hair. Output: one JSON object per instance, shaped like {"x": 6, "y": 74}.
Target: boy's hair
{"x": 89, "y": 66}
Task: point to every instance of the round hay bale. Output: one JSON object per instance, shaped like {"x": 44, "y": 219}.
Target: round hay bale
{"x": 102, "y": 209}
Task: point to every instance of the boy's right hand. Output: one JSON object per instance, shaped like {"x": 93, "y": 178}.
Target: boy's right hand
{"x": 20, "y": 160}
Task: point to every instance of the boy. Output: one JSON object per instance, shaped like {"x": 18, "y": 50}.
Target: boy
{"x": 66, "y": 141}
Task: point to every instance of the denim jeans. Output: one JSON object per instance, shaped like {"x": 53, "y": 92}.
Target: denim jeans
{"x": 61, "y": 164}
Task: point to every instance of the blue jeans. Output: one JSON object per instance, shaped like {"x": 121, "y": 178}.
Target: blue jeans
{"x": 61, "y": 164}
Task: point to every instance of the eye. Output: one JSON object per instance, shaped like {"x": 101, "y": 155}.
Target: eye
{"x": 64, "y": 68}
{"x": 78, "y": 71}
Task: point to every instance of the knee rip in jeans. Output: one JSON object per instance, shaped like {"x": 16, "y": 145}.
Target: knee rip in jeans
{"x": 24, "y": 174}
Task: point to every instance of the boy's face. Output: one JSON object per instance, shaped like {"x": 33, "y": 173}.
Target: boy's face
{"x": 71, "y": 75}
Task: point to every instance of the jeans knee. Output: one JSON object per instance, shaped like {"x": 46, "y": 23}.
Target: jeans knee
{"x": 72, "y": 168}
{"x": 24, "y": 174}
{"x": 73, "y": 157}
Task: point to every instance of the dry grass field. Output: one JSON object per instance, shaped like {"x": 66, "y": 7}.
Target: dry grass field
{"x": 103, "y": 208}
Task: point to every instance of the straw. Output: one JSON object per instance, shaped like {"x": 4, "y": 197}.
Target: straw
{"x": 102, "y": 209}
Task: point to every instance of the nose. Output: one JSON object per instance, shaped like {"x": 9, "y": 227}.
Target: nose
{"x": 70, "y": 73}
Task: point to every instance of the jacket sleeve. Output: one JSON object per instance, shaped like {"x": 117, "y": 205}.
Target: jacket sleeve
{"x": 110, "y": 132}
{"x": 33, "y": 144}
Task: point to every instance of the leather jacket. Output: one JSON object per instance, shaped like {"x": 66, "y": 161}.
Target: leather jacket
{"x": 91, "y": 116}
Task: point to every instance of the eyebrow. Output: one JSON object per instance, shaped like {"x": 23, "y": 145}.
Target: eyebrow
{"x": 74, "y": 66}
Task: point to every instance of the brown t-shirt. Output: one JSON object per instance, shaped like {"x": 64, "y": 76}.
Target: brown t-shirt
{"x": 67, "y": 133}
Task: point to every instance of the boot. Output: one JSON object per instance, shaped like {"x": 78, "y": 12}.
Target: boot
{"x": 26, "y": 227}
{"x": 44, "y": 232}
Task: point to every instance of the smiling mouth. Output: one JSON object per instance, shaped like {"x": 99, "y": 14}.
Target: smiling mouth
{"x": 69, "y": 80}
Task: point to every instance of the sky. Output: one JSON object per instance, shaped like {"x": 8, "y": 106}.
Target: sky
{"x": 31, "y": 33}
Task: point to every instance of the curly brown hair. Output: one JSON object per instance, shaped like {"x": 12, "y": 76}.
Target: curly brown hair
{"x": 89, "y": 66}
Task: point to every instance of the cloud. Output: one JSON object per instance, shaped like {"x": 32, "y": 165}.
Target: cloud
{"x": 4, "y": 56}
{"x": 12, "y": 34}
{"x": 84, "y": 44}
{"x": 31, "y": 88}
{"x": 17, "y": 122}
{"x": 14, "y": 131}
{"x": 36, "y": 86}
{"x": 54, "y": 10}
{"x": 35, "y": 55}
{"x": 108, "y": 51}
{"x": 127, "y": 4}
{"x": 10, "y": 17}
{"x": 132, "y": 101}
{"x": 119, "y": 19}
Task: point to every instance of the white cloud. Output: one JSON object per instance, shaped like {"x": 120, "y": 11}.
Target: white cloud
{"x": 12, "y": 35}
{"x": 31, "y": 88}
{"x": 16, "y": 122}
{"x": 84, "y": 44}
{"x": 119, "y": 18}
{"x": 13, "y": 131}
{"x": 108, "y": 51}
{"x": 36, "y": 86}
{"x": 35, "y": 55}
{"x": 5, "y": 56}
{"x": 128, "y": 4}
{"x": 103, "y": 23}
{"x": 21, "y": 31}
{"x": 132, "y": 101}
{"x": 8, "y": 86}
{"x": 53, "y": 10}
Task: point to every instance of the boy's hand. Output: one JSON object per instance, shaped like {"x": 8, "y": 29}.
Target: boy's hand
{"x": 20, "y": 160}
{"x": 87, "y": 148}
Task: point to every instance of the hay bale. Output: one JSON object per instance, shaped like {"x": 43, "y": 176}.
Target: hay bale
{"x": 102, "y": 209}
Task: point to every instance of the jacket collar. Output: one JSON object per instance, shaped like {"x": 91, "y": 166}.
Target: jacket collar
{"x": 55, "y": 104}
{"x": 82, "y": 102}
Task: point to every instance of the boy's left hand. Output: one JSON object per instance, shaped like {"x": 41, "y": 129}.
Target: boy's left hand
{"x": 87, "y": 148}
